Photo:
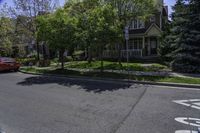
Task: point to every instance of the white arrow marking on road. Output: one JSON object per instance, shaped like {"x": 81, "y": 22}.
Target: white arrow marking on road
{"x": 185, "y": 131}
{"x": 198, "y": 104}
{"x": 189, "y": 121}
{"x": 193, "y": 103}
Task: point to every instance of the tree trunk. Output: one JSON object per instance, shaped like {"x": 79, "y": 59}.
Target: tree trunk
{"x": 38, "y": 50}
{"x": 44, "y": 52}
{"x": 101, "y": 57}
{"x": 89, "y": 54}
{"x": 62, "y": 58}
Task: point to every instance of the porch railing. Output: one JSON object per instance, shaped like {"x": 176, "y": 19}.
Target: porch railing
{"x": 114, "y": 53}
{"x": 132, "y": 53}
{"x": 110, "y": 54}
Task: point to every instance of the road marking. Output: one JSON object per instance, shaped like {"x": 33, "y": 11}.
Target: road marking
{"x": 193, "y": 103}
{"x": 189, "y": 121}
{"x": 186, "y": 131}
{"x": 198, "y": 104}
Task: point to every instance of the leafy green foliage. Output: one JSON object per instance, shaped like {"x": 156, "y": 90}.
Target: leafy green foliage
{"x": 58, "y": 30}
{"x": 127, "y": 11}
{"x": 6, "y": 36}
{"x": 102, "y": 23}
{"x": 26, "y": 61}
{"x": 115, "y": 66}
{"x": 165, "y": 47}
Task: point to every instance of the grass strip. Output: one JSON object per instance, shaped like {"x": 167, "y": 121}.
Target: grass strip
{"x": 112, "y": 75}
{"x": 115, "y": 66}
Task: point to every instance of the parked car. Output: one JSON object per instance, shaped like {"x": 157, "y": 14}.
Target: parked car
{"x": 8, "y": 64}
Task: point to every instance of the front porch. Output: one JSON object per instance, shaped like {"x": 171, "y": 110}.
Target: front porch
{"x": 137, "y": 47}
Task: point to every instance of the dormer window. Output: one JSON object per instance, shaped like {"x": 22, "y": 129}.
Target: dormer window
{"x": 141, "y": 24}
{"x": 137, "y": 24}
{"x": 152, "y": 19}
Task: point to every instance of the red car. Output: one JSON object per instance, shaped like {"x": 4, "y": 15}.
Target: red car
{"x": 7, "y": 64}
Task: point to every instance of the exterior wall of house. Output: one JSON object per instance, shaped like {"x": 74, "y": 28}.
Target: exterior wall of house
{"x": 144, "y": 39}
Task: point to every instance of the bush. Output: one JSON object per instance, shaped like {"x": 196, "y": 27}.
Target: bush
{"x": 55, "y": 60}
{"x": 44, "y": 63}
{"x": 26, "y": 61}
{"x": 68, "y": 59}
{"x": 78, "y": 55}
{"x": 183, "y": 67}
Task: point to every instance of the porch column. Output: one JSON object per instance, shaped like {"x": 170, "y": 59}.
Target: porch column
{"x": 149, "y": 46}
{"x": 158, "y": 44}
{"x": 143, "y": 45}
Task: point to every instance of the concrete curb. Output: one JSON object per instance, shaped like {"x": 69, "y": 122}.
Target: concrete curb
{"x": 119, "y": 80}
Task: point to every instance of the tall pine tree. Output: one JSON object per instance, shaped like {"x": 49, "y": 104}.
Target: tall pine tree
{"x": 165, "y": 47}
{"x": 189, "y": 53}
{"x": 186, "y": 44}
{"x": 172, "y": 33}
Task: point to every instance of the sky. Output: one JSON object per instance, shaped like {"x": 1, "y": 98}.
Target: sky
{"x": 170, "y": 3}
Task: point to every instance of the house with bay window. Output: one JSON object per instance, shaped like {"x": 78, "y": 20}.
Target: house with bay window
{"x": 144, "y": 36}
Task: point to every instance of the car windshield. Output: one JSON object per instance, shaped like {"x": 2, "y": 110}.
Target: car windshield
{"x": 5, "y": 59}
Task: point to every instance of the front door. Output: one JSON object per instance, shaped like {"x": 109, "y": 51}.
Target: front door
{"x": 153, "y": 46}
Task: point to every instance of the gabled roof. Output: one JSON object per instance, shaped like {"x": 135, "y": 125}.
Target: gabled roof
{"x": 153, "y": 25}
{"x": 153, "y": 29}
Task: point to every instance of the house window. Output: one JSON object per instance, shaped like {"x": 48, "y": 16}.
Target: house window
{"x": 137, "y": 24}
{"x": 135, "y": 44}
{"x": 140, "y": 24}
{"x": 152, "y": 19}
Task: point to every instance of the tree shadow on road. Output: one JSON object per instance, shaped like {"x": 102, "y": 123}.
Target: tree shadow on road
{"x": 88, "y": 85}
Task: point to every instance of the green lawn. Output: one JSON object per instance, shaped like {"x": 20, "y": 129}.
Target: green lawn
{"x": 115, "y": 66}
{"x": 111, "y": 75}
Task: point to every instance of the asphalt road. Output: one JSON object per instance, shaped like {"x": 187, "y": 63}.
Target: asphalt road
{"x": 40, "y": 104}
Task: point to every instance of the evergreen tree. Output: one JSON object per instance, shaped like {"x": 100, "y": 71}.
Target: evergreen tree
{"x": 171, "y": 35}
{"x": 186, "y": 56}
{"x": 165, "y": 47}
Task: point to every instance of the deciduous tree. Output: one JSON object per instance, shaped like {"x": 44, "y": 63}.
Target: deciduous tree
{"x": 58, "y": 30}
{"x": 29, "y": 10}
{"x": 6, "y": 36}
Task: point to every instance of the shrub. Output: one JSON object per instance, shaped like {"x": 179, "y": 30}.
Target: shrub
{"x": 68, "y": 59}
{"x": 26, "y": 61}
{"x": 44, "y": 63}
{"x": 78, "y": 55}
